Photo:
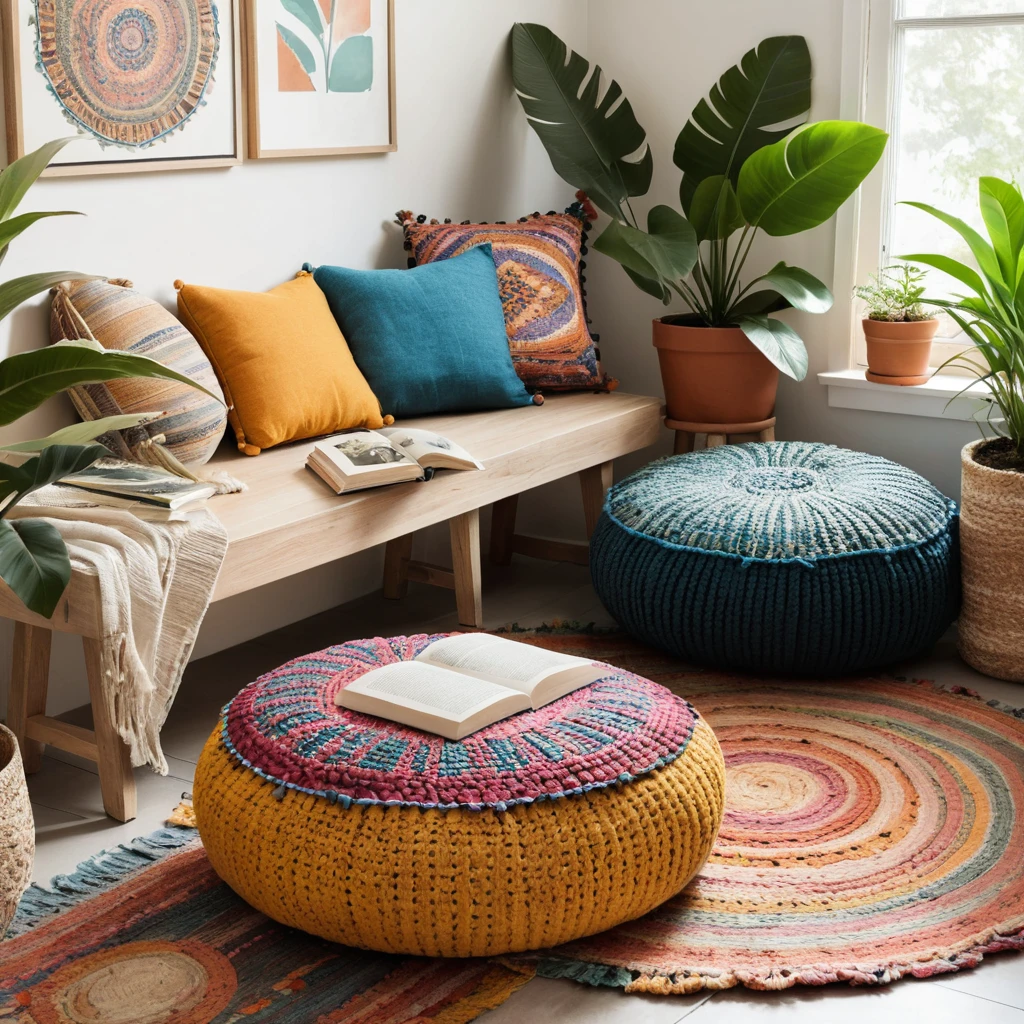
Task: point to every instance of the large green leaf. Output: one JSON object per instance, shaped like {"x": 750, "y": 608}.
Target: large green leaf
{"x": 10, "y": 229}
{"x": 666, "y": 251}
{"x": 1002, "y": 209}
{"x": 82, "y": 433}
{"x": 980, "y": 249}
{"x": 655, "y": 288}
{"x": 754, "y": 303}
{"x": 308, "y": 12}
{"x": 800, "y": 289}
{"x": 771, "y": 85}
{"x": 29, "y": 378}
{"x": 17, "y": 178}
{"x": 14, "y": 292}
{"x": 714, "y": 209}
{"x": 298, "y": 47}
{"x": 800, "y": 182}
{"x": 34, "y": 563}
{"x": 778, "y": 342}
{"x": 966, "y": 275}
{"x": 594, "y": 141}
{"x": 51, "y": 464}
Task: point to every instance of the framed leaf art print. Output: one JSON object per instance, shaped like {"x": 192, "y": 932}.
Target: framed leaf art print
{"x": 320, "y": 77}
{"x": 145, "y": 84}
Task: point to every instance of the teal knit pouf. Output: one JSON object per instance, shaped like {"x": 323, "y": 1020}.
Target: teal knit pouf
{"x": 789, "y": 558}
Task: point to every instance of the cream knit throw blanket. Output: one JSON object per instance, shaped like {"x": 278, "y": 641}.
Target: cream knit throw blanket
{"x": 156, "y": 572}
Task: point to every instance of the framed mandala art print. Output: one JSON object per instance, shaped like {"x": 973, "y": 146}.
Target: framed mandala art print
{"x": 145, "y": 84}
{"x": 320, "y": 77}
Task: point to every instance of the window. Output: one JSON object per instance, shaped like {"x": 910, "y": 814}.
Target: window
{"x": 946, "y": 78}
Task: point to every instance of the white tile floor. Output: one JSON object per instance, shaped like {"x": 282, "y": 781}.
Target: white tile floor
{"x": 71, "y": 824}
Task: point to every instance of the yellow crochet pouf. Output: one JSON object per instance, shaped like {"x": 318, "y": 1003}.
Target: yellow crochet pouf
{"x": 540, "y": 829}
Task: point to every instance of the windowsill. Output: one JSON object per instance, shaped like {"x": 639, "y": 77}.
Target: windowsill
{"x": 848, "y": 389}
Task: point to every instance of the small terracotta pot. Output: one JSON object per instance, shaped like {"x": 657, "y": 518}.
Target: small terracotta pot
{"x": 714, "y": 375}
{"x": 898, "y": 353}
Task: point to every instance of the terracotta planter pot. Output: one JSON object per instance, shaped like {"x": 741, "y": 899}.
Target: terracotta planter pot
{"x": 992, "y": 563}
{"x": 898, "y": 353}
{"x": 714, "y": 375}
{"x": 17, "y": 829}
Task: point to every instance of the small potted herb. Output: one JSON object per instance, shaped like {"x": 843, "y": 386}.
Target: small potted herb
{"x": 897, "y": 329}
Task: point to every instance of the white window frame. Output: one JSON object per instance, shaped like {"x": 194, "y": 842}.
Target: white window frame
{"x": 871, "y": 62}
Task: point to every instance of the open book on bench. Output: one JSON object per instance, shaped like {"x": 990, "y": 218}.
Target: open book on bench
{"x": 459, "y": 684}
{"x": 359, "y": 459}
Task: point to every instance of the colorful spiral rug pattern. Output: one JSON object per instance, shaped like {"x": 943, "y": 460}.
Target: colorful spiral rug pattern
{"x": 128, "y": 71}
{"x": 873, "y": 830}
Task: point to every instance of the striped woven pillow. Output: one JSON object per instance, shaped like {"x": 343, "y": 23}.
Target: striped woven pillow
{"x": 120, "y": 318}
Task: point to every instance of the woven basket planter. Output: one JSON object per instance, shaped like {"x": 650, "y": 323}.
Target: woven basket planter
{"x": 992, "y": 553}
{"x": 17, "y": 830}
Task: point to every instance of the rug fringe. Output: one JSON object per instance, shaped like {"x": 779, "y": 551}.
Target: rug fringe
{"x": 560, "y": 626}
{"x": 100, "y": 872}
{"x": 662, "y": 983}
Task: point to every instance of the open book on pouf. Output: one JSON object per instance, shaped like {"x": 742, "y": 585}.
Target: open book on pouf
{"x": 459, "y": 684}
{"x": 371, "y": 458}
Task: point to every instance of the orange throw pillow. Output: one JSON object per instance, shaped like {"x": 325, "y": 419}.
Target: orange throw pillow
{"x": 284, "y": 365}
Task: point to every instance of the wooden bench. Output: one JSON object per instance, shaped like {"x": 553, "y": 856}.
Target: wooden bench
{"x": 289, "y": 521}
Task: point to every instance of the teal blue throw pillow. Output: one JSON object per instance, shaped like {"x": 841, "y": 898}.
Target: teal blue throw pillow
{"x": 430, "y": 339}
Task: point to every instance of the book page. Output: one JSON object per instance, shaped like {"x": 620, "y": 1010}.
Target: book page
{"x": 435, "y": 689}
{"x": 362, "y": 451}
{"x": 430, "y": 449}
{"x": 520, "y": 666}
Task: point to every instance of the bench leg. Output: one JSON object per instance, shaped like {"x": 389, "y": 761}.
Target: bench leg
{"x": 117, "y": 782}
{"x": 716, "y": 440}
{"x": 465, "y": 535}
{"x": 594, "y": 483}
{"x": 503, "y": 527}
{"x": 397, "y": 553}
{"x": 30, "y": 674}
{"x": 768, "y": 434}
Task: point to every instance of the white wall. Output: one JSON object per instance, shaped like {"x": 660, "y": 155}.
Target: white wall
{"x": 666, "y": 54}
{"x": 464, "y": 151}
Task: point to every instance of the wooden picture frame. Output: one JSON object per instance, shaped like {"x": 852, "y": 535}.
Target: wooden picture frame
{"x": 16, "y": 76}
{"x": 257, "y": 148}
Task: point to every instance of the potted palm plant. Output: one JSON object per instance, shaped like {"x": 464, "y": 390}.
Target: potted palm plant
{"x": 741, "y": 174}
{"x": 991, "y": 314}
{"x": 897, "y": 329}
{"x": 34, "y": 562}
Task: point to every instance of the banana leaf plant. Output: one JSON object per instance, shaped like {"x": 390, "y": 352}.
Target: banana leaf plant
{"x": 34, "y": 561}
{"x": 749, "y": 164}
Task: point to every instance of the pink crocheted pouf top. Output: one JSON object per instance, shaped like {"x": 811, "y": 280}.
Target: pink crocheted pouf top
{"x": 286, "y": 728}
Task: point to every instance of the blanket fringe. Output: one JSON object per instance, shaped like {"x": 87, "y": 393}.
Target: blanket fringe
{"x": 99, "y": 873}
{"x": 598, "y": 975}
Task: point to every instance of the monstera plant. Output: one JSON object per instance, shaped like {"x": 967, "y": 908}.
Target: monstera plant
{"x": 749, "y": 165}
{"x": 34, "y": 562}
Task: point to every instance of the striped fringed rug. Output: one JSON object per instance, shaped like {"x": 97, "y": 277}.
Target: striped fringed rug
{"x": 874, "y": 829}
{"x": 148, "y": 933}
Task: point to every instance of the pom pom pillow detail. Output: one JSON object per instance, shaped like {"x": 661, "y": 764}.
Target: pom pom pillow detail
{"x": 538, "y": 262}
{"x": 285, "y": 368}
{"x": 120, "y": 318}
{"x": 430, "y": 339}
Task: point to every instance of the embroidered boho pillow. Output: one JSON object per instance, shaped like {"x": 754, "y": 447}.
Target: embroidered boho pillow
{"x": 538, "y": 264}
{"x": 120, "y": 318}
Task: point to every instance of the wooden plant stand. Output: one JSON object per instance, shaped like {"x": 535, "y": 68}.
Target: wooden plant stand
{"x": 718, "y": 433}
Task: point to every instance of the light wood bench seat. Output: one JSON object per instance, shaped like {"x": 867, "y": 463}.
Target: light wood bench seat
{"x": 288, "y": 521}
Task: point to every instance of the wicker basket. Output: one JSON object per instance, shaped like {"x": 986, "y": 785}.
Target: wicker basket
{"x": 992, "y": 553}
{"x": 17, "y": 830}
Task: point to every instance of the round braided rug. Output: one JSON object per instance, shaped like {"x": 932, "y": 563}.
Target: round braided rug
{"x": 873, "y": 829}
